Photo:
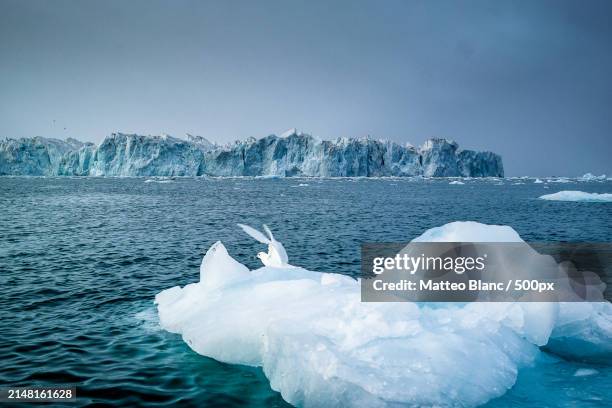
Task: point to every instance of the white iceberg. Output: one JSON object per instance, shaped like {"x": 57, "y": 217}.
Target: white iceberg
{"x": 162, "y": 180}
{"x": 457, "y": 182}
{"x": 560, "y": 180}
{"x": 319, "y": 345}
{"x": 538, "y": 181}
{"x": 569, "y": 195}
{"x": 592, "y": 177}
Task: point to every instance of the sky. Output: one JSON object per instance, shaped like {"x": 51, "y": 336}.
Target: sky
{"x": 530, "y": 80}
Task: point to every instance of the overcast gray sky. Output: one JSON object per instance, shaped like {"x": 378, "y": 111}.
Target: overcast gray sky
{"x": 531, "y": 80}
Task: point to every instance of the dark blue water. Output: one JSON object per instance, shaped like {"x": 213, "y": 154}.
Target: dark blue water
{"x": 82, "y": 259}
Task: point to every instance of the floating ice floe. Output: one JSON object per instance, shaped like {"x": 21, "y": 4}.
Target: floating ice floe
{"x": 592, "y": 177}
{"x": 568, "y": 195}
{"x": 457, "y": 182}
{"x": 319, "y": 345}
{"x": 583, "y": 372}
{"x": 538, "y": 181}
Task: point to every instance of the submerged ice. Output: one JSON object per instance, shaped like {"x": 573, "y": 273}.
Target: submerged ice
{"x": 292, "y": 154}
{"x": 319, "y": 345}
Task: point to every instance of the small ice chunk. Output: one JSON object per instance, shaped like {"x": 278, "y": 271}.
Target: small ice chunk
{"x": 560, "y": 180}
{"x": 568, "y": 195}
{"x": 583, "y": 372}
{"x": 592, "y": 177}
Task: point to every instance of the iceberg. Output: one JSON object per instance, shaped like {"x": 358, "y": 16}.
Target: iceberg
{"x": 291, "y": 154}
{"x": 159, "y": 180}
{"x": 592, "y": 177}
{"x": 319, "y": 345}
{"x": 583, "y": 372}
{"x": 568, "y": 195}
{"x": 37, "y": 156}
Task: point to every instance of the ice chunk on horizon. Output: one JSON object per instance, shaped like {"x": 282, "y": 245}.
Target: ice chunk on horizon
{"x": 583, "y": 372}
{"x": 560, "y": 180}
{"x": 569, "y": 195}
{"x": 162, "y": 181}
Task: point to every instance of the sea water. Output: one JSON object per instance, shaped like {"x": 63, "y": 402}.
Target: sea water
{"x": 81, "y": 260}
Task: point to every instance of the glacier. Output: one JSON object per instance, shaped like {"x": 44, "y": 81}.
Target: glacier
{"x": 291, "y": 154}
{"x": 592, "y": 177}
{"x": 319, "y": 345}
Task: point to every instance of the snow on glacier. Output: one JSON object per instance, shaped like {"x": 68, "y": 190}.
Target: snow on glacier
{"x": 319, "y": 345}
{"x": 569, "y": 195}
{"x": 292, "y": 154}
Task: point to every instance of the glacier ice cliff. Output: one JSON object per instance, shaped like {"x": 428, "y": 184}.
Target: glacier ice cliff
{"x": 292, "y": 154}
{"x": 37, "y": 156}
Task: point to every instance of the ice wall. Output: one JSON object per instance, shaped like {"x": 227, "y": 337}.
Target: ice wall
{"x": 37, "y": 156}
{"x": 294, "y": 154}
